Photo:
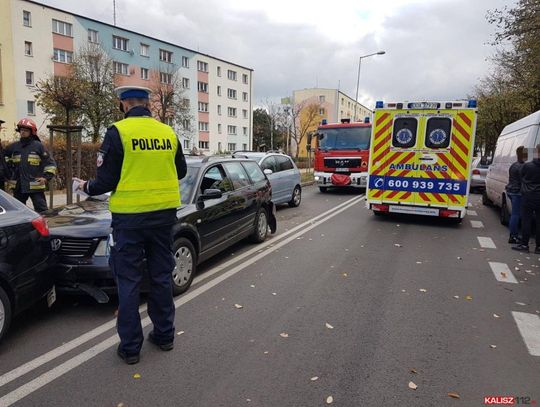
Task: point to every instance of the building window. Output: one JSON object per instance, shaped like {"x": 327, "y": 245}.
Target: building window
{"x": 203, "y": 145}
{"x": 185, "y": 62}
{"x": 231, "y": 75}
{"x": 219, "y": 128}
{"x": 219, "y": 90}
{"x": 165, "y": 77}
{"x": 165, "y": 56}
{"x": 203, "y": 126}
{"x": 31, "y": 107}
{"x": 60, "y": 55}
{"x": 185, "y": 124}
{"x": 321, "y": 99}
{"x": 203, "y": 107}
{"x": 321, "y": 112}
{"x": 219, "y": 71}
{"x": 120, "y": 43}
{"x": 202, "y": 66}
{"x": 202, "y": 87}
{"x": 145, "y": 50}
{"x": 59, "y": 27}
{"x": 231, "y": 93}
{"x": 231, "y": 111}
{"x": 186, "y": 103}
{"x": 27, "y": 18}
{"x": 219, "y": 110}
{"x": 93, "y": 36}
{"x": 342, "y": 101}
{"x": 28, "y": 49}
{"x": 29, "y": 78}
{"x": 186, "y": 144}
{"x": 120, "y": 68}
{"x": 231, "y": 130}
{"x": 185, "y": 83}
{"x": 244, "y": 78}
{"x": 144, "y": 73}
{"x": 244, "y": 147}
{"x": 244, "y": 131}
{"x": 244, "y": 96}
{"x": 232, "y": 146}
{"x": 244, "y": 113}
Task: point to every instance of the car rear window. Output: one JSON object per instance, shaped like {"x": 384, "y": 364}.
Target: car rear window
{"x": 404, "y": 133}
{"x": 438, "y": 131}
{"x": 254, "y": 171}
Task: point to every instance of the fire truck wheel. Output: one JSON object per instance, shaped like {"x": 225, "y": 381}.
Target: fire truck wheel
{"x": 296, "y": 197}
{"x": 323, "y": 189}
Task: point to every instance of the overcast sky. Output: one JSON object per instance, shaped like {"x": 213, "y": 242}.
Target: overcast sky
{"x": 435, "y": 49}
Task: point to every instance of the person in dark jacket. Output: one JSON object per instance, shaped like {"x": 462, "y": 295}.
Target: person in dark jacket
{"x": 530, "y": 193}
{"x": 513, "y": 190}
{"x": 141, "y": 161}
{"x": 30, "y": 166}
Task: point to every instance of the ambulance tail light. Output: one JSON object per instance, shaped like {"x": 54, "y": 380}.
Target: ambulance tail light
{"x": 476, "y": 171}
{"x": 380, "y": 208}
{"x": 448, "y": 213}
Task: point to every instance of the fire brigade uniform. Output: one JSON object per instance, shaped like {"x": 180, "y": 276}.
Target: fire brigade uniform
{"x": 27, "y": 160}
{"x": 141, "y": 161}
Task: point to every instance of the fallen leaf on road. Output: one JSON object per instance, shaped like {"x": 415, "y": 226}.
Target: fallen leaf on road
{"x": 120, "y": 405}
{"x": 468, "y": 298}
{"x": 418, "y": 262}
{"x": 136, "y": 376}
{"x": 423, "y": 290}
{"x": 266, "y": 352}
{"x": 503, "y": 274}
{"x": 329, "y": 400}
{"x": 284, "y": 335}
{"x": 344, "y": 274}
{"x": 492, "y": 346}
{"x": 248, "y": 400}
{"x": 456, "y": 297}
{"x": 397, "y": 245}
{"x": 322, "y": 235}
{"x": 252, "y": 286}
{"x": 314, "y": 378}
{"x": 329, "y": 326}
{"x": 238, "y": 306}
{"x": 496, "y": 316}
{"x": 286, "y": 257}
{"x": 403, "y": 291}
{"x": 274, "y": 293}
{"x": 516, "y": 268}
{"x": 412, "y": 386}
{"x": 459, "y": 258}
{"x": 413, "y": 371}
{"x": 454, "y": 395}
{"x": 521, "y": 303}
{"x": 180, "y": 333}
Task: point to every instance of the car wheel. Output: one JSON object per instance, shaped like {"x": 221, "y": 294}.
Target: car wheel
{"x": 504, "y": 215}
{"x": 296, "y": 197}
{"x": 5, "y": 313}
{"x": 261, "y": 227}
{"x": 185, "y": 259}
{"x": 323, "y": 189}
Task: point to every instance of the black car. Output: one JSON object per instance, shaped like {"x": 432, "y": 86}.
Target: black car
{"x": 25, "y": 277}
{"x": 224, "y": 200}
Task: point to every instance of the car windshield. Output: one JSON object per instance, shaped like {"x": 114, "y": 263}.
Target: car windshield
{"x": 349, "y": 138}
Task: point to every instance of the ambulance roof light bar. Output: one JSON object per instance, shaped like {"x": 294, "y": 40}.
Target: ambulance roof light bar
{"x": 472, "y": 103}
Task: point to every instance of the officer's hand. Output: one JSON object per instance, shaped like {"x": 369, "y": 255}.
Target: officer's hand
{"x": 80, "y": 182}
{"x": 41, "y": 180}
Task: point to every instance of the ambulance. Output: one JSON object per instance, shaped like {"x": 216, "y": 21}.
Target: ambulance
{"x": 420, "y": 158}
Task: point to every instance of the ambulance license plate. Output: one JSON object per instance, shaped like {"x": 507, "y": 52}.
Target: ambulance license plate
{"x": 414, "y": 210}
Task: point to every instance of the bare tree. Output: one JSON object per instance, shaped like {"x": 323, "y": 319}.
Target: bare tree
{"x": 305, "y": 119}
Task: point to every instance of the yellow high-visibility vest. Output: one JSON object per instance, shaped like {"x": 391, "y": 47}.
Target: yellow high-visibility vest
{"x": 148, "y": 181}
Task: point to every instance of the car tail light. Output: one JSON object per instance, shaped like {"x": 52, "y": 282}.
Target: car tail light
{"x": 476, "y": 172}
{"x": 380, "y": 208}
{"x": 448, "y": 213}
{"x": 40, "y": 224}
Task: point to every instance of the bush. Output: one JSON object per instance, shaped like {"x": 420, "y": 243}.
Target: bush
{"x": 88, "y": 160}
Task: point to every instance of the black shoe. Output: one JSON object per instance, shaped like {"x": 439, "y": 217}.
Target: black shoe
{"x": 163, "y": 346}
{"x": 521, "y": 248}
{"x": 129, "y": 359}
{"x": 513, "y": 240}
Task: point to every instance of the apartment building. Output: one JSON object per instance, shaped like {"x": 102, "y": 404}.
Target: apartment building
{"x": 333, "y": 105}
{"x": 37, "y": 40}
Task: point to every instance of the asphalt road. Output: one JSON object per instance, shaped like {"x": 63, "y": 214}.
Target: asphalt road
{"x": 366, "y": 305}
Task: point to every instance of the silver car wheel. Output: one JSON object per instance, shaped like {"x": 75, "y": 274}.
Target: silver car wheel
{"x": 297, "y": 196}
{"x": 262, "y": 225}
{"x": 183, "y": 267}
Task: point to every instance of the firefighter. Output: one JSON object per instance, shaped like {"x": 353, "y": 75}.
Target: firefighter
{"x": 141, "y": 161}
{"x": 30, "y": 166}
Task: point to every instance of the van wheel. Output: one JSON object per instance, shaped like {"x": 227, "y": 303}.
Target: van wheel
{"x": 5, "y": 313}
{"x": 485, "y": 200}
{"x": 323, "y": 189}
{"x": 185, "y": 259}
{"x": 296, "y": 197}
{"x": 504, "y": 215}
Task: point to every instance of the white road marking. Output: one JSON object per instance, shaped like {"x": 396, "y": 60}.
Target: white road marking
{"x": 529, "y": 327}
{"x": 502, "y": 272}
{"x": 58, "y": 371}
{"x": 471, "y": 212}
{"x": 486, "y": 242}
{"x": 477, "y": 224}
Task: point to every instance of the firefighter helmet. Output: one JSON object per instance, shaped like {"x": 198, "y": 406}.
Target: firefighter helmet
{"x": 28, "y": 124}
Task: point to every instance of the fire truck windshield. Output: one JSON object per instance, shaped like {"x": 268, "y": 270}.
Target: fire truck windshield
{"x": 349, "y": 138}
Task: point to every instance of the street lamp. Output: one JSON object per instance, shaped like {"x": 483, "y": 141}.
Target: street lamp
{"x": 358, "y": 78}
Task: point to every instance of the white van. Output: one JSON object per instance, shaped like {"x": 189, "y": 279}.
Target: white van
{"x": 524, "y": 132}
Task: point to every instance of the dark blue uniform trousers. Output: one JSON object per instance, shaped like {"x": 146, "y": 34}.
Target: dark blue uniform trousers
{"x": 131, "y": 246}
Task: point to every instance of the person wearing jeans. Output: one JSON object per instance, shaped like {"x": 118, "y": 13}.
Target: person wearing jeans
{"x": 513, "y": 191}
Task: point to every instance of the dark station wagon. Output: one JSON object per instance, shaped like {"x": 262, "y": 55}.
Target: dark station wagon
{"x": 224, "y": 200}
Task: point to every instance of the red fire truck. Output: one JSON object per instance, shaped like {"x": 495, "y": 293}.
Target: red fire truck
{"x": 342, "y": 154}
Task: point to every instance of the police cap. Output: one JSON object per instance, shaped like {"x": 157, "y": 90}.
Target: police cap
{"x": 136, "y": 92}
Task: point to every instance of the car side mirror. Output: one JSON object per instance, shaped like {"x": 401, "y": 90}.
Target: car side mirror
{"x": 268, "y": 171}
{"x": 211, "y": 194}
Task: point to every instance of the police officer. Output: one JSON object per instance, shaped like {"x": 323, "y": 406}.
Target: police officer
{"x": 141, "y": 161}
{"x": 30, "y": 166}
